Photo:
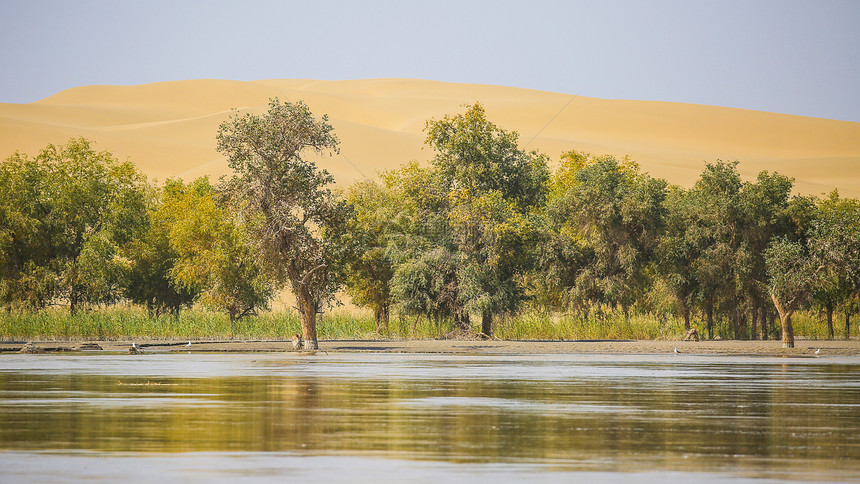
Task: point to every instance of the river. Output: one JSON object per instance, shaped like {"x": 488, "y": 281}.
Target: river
{"x": 380, "y": 417}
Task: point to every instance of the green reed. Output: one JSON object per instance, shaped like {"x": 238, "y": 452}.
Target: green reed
{"x": 536, "y": 324}
{"x": 132, "y": 322}
{"x": 126, "y": 322}
{"x": 813, "y": 325}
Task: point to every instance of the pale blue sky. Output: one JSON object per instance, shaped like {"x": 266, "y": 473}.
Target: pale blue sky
{"x": 788, "y": 56}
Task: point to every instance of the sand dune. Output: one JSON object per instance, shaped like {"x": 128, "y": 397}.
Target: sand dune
{"x": 168, "y": 129}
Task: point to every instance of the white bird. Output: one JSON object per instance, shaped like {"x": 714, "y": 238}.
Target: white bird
{"x": 818, "y": 351}
{"x": 135, "y": 346}
{"x": 676, "y": 351}
{"x": 188, "y": 345}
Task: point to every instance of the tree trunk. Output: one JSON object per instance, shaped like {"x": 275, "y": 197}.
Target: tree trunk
{"x": 309, "y": 324}
{"x": 768, "y": 322}
{"x": 785, "y": 318}
{"x": 377, "y": 318}
{"x": 830, "y": 320}
{"x": 787, "y": 331}
{"x": 685, "y": 311}
{"x": 847, "y": 325}
{"x": 739, "y": 323}
{"x": 232, "y": 314}
{"x": 770, "y": 316}
{"x": 461, "y": 315}
{"x": 307, "y": 307}
{"x": 462, "y": 321}
{"x": 754, "y": 322}
{"x": 381, "y": 317}
{"x": 735, "y": 322}
{"x": 415, "y": 323}
{"x": 773, "y": 317}
{"x": 709, "y": 316}
{"x": 73, "y": 302}
{"x": 487, "y": 323}
{"x": 308, "y": 314}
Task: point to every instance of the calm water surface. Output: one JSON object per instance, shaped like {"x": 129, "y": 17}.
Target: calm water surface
{"x": 424, "y": 418}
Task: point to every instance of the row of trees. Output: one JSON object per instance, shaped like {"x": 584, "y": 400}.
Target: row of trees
{"x": 481, "y": 230}
{"x": 485, "y": 227}
{"x": 80, "y": 228}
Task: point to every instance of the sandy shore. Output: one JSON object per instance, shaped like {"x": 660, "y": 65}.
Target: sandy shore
{"x": 803, "y": 348}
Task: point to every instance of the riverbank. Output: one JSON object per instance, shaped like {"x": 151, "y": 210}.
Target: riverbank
{"x": 803, "y": 348}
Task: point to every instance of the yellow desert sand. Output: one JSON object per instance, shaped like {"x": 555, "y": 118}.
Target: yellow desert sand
{"x": 168, "y": 129}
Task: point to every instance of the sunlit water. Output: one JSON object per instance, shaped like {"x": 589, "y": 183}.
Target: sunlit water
{"x": 427, "y": 418}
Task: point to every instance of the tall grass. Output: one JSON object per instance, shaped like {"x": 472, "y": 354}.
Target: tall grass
{"x": 127, "y": 322}
{"x": 813, "y": 325}
{"x": 132, "y": 322}
{"x": 114, "y": 323}
{"x": 535, "y": 324}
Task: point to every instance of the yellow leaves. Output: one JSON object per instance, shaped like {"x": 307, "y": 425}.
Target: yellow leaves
{"x": 574, "y": 161}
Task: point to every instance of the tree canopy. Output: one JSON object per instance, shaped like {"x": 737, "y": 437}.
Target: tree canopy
{"x": 472, "y": 214}
{"x": 484, "y": 229}
{"x": 215, "y": 256}
{"x": 67, "y": 220}
{"x": 287, "y": 201}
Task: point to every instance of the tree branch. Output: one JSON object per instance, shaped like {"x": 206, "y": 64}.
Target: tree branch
{"x": 307, "y": 276}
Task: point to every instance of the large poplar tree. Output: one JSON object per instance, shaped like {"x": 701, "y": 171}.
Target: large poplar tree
{"x": 489, "y": 189}
{"x": 288, "y": 201}
{"x": 617, "y": 213}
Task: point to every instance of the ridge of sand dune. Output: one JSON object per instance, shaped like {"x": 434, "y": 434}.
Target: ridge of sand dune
{"x": 168, "y": 128}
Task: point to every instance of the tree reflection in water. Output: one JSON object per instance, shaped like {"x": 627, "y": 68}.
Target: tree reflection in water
{"x": 767, "y": 416}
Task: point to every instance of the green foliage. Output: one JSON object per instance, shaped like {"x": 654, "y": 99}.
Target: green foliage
{"x": 593, "y": 325}
{"x": 492, "y": 189}
{"x": 793, "y": 273}
{"x": 474, "y": 215}
{"x": 712, "y": 250}
{"x": 598, "y": 250}
{"x": 286, "y": 200}
{"x": 617, "y": 214}
{"x": 24, "y": 246}
{"x": 764, "y": 211}
{"x": 476, "y": 156}
{"x": 678, "y": 250}
{"x": 835, "y": 240}
{"x": 715, "y": 229}
{"x": 825, "y": 264}
{"x": 215, "y": 256}
{"x": 379, "y": 217}
{"x": 150, "y": 280}
{"x": 425, "y": 279}
{"x": 67, "y": 219}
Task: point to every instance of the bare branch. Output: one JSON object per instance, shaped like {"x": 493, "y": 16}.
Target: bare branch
{"x": 307, "y": 277}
